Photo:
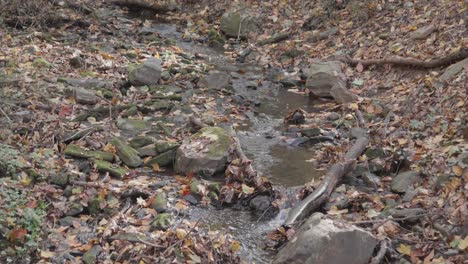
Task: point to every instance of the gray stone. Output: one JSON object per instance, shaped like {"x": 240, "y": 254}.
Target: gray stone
{"x": 453, "y": 70}
{"x": 141, "y": 141}
{"x": 149, "y": 150}
{"x": 87, "y": 83}
{"x": 341, "y": 95}
{"x": 403, "y": 181}
{"x": 371, "y": 179}
{"x": 260, "y": 203}
{"x": 159, "y": 202}
{"x": 215, "y": 80}
{"x": 164, "y": 159}
{"x": 410, "y": 214}
{"x": 77, "y": 62}
{"x": 233, "y": 20}
{"x": 323, "y": 76}
{"x": 374, "y": 152}
{"x": 132, "y": 126}
{"x": 161, "y": 222}
{"x": 90, "y": 256}
{"x": 357, "y": 132}
{"x": 321, "y": 241}
{"x": 409, "y": 195}
{"x": 85, "y": 96}
{"x": 311, "y": 132}
{"x": 423, "y": 32}
{"x": 333, "y": 116}
{"x": 146, "y": 74}
{"x": 205, "y": 153}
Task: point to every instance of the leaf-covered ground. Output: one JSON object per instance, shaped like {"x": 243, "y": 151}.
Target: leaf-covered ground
{"x": 56, "y": 208}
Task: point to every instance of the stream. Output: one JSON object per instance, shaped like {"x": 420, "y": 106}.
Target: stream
{"x": 261, "y": 139}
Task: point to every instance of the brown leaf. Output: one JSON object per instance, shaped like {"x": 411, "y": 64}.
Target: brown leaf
{"x": 359, "y": 67}
{"x": 17, "y": 234}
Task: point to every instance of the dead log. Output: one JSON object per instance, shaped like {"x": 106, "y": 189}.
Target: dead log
{"x": 400, "y": 61}
{"x": 326, "y": 187}
{"x": 155, "y": 6}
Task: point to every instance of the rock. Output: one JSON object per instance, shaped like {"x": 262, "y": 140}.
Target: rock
{"x": 311, "y": 132}
{"x": 341, "y": 95}
{"x": 60, "y": 179}
{"x": 75, "y": 209}
{"x": 146, "y": 74}
{"x": 370, "y": 179}
{"x": 323, "y": 76}
{"x": 41, "y": 63}
{"x": 94, "y": 205}
{"x": 159, "y": 202}
{"x": 126, "y": 153}
{"x": 141, "y": 141}
{"x": 84, "y": 96}
{"x": 404, "y": 180}
{"x": 165, "y": 159}
{"x": 409, "y": 195}
{"x": 113, "y": 170}
{"x": 357, "y": 132}
{"x": 260, "y": 203}
{"x": 149, "y": 150}
{"x": 233, "y": 20}
{"x": 68, "y": 220}
{"x": 453, "y": 70}
{"x": 90, "y": 256}
{"x": 31, "y": 49}
{"x": 76, "y": 151}
{"x": 423, "y": 32}
{"x": 333, "y": 116}
{"x": 374, "y": 152}
{"x": 77, "y": 62}
{"x": 205, "y": 153}
{"x": 413, "y": 214}
{"x": 215, "y": 80}
{"x": 164, "y": 146}
{"x": 161, "y": 222}
{"x": 87, "y": 83}
{"x": 321, "y": 241}
{"x": 338, "y": 200}
{"x": 132, "y": 126}
{"x": 161, "y": 105}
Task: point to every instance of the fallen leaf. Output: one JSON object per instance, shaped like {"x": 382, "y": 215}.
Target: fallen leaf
{"x": 17, "y": 234}
{"x": 404, "y": 249}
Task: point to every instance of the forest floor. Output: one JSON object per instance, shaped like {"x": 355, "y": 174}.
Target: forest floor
{"x": 56, "y": 207}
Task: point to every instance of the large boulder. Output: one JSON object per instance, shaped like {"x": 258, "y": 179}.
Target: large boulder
{"x": 234, "y": 19}
{"x": 322, "y": 240}
{"x": 205, "y": 153}
{"x": 323, "y": 76}
{"x": 147, "y": 73}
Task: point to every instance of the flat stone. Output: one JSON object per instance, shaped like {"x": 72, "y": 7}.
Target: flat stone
{"x": 453, "y": 70}
{"x": 403, "y": 181}
{"x": 321, "y": 240}
{"x": 410, "y": 214}
{"x": 424, "y": 32}
{"x": 341, "y": 95}
{"x": 215, "y": 80}
{"x": 147, "y": 73}
{"x": 357, "y": 132}
{"x": 87, "y": 83}
{"x": 333, "y": 116}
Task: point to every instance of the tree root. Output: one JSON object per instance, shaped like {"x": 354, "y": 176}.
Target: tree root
{"x": 326, "y": 187}
{"x": 400, "y": 61}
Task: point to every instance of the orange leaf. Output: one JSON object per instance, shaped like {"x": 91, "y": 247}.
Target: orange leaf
{"x": 17, "y": 234}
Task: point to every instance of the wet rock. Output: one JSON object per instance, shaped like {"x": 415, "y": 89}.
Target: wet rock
{"x": 90, "y": 256}
{"x": 205, "y": 153}
{"x": 161, "y": 222}
{"x": 338, "y": 200}
{"x": 192, "y": 199}
{"x": 159, "y": 202}
{"x": 146, "y": 74}
{"x": 311, "y": 132}
{"x": 215, "y": 80}
{"x": 141, "y": 141}
{"x": 60, "y": 179}
{"x": 404, "y": 180}
{"x": 323, "y": 76}
{"x": 132, "y": 126}
{"x": 233, "y": 20}
{"x": 333, "y": 116}
{"x": 321, "y": 240}
{"x": 113, "y": 169}
{"x": 357, "y": 132}
{"x": 260, "y": 203}
{"x": 374, "y": 152}
{"x": 165, "y": 159}
{"x": 87, "y": 83}
{"x": 76, "y": 151}
{"x": 126, "y": 153}
{"x": 85, "y": 96}
{"x": 453, "y": 70}
{"x": 423, "y": 32}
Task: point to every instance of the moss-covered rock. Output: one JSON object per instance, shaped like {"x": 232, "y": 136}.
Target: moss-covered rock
{"x": 60, "y": 179}
{"x": 159, "y": 202}
{"x": 164, "y": 159}
{"x": 76, "y": 151}
{"x": 161, "y": 222}
{"x": 132, "y": 126}
{"x": 90, "y": 256}
{"x": 94, "y": 205}
{"x": 141, "y": 141}
{"x": 164, "y": 146}
{"x": 206, "y": 161}
{"x": 126, "y": 153}
{"x": 113, "y": 169}
{"x": 10, "y": 162}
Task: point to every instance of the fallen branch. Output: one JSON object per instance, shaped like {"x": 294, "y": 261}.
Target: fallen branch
{"x": 156, "y": 6}
{"x": 400, "y": 61}
{"x": 381, "y": 254}
{"x": 326, "y": 187}
{"x": 101, "y": 111}
{"x": 274, "y": 39}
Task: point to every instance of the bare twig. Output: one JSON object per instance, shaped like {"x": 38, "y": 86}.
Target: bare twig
{"x": 150, "y": 244}
{"x": 381, "y": 254}
{"x": 7, "y": 117}
{"x": 181, "y": 240}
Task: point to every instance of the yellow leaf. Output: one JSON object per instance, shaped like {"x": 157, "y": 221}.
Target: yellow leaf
{"x": 180, "y": 233}
{"x": 156, "y": 55}
{"x": 235, "y": 246}
{"x": 155, "y": 167}
{"x": 402, "y": 141}
{"x": 353, "y": 106}
{"x": 404, "y": 249}
{"x": 463, "y": 243}
{"x": 47, "y": 254}
{"x": 457, "y": 170}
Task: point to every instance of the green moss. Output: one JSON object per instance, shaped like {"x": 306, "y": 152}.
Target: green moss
{"x": 221, "y": 141}
{"x": 76, "y": 151}
{"x": 114, "y": 170}
{"x": 10, "y": 164}
{"x": 41, "y": 63}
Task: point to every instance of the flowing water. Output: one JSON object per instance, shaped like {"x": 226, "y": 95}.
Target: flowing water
{"x": 261, "y": 140}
